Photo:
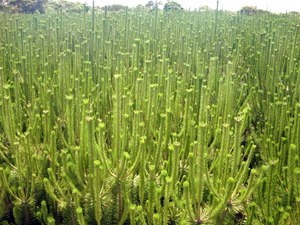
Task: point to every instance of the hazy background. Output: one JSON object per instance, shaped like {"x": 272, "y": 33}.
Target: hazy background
{"x": 233, "y": 5}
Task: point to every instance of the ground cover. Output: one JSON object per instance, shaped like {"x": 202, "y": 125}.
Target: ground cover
{"x": 138, "y": 117}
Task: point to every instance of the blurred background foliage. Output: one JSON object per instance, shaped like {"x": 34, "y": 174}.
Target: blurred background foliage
{"x": 42, "y": 6}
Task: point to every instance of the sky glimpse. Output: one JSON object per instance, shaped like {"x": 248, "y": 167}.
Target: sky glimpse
{"x": 233, "y": 5}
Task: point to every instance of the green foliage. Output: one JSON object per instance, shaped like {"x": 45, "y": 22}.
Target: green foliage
{"x": 149, "y": 117}
{"x": 205, "y": 8}
{"x": 248, "y": 10}
{"x": 171, "y": 5}
{"x": 66, "y": 6}
{"x": 114, "y": 7}
{"x": 150, "y": 4}
{"x": 24, "y": 212}
{"x": 294, "y": 13}
{"x": 27, "y": 6}
{"x": 252, "y": 10}
{"x": 2, "y": 5}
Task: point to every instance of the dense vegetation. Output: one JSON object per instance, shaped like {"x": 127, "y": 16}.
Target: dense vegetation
{"x": 138, "y": 117}
{"x": 24, "y": 6}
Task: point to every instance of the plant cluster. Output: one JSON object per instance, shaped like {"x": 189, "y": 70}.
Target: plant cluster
{"x": 114, "y": 7}
{"x": 66, "y": 6}
{"x": 252, "y": 10}
{"x": 24, "y": 6}
{"x": 248, "y": 10}
{"x": 169, "y": 117}
{"x": 171, "y": 5}
{"x": 295, "y": 13}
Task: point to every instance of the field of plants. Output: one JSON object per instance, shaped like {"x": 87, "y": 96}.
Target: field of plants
{"x": 138, "y": 117}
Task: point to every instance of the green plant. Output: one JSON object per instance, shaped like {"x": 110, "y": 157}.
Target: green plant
{"x": 139, "y": 117}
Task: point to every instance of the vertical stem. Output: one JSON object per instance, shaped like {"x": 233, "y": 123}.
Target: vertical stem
{"x": 201, "y": 149}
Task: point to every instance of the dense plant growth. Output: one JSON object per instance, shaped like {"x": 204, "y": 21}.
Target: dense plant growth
{"x": 252, "y": 10}
{"x": 171, "y": 5}
{"x": 66, "y": 6}
{"x": 24, "y": 6}
{"x": 169, "y": 117}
